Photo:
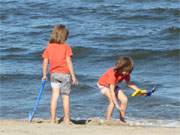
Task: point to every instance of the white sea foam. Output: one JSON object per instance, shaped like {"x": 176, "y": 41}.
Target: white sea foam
{"x": 154, "y": 122}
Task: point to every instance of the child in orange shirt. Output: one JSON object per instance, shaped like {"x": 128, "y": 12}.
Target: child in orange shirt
{"x": 58, "y": 54}
{"x": 108, "y": 84}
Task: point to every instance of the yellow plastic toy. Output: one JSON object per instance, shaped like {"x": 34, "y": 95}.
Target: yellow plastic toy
{"x": 139, "y": 93}
{"x": 144, "y": 92}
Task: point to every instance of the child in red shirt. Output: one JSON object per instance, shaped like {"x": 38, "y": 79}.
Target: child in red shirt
{"x": 58, "y": 54}
{"x": 108, "y": 84}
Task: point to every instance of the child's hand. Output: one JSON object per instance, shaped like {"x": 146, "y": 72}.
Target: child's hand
{"x": 143, "y": 92}
{"x": 44, "y": 78}
{"x": 136, "y": 93}
{"x": 139, "y": 92}
{"x": 74, "y": 81}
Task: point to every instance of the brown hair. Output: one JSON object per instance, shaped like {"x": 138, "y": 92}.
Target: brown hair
{"x": 59, "y": 34}
{"x": 124, "y": 63}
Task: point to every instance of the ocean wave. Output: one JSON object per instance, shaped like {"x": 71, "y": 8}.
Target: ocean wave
{"x": 3, "y": 17}
{"x": 156, "y": 14}
{"x": 110, "y": 38}
{"x": 81, "y": 10}
{"x": 15, "y": 77}
{"x": 161, "y": 10}
{"x": 83, "y": 88}
{"x": 13, "y": 49}
{"x": 84, "y": 52}
{"x": 80, "y": 51}
{"x": 173, "y": 105}
{"x": 170, "y": 33}
{"x": 153, "y": 122}
{"x": 115, "y": 38}
{"x": 41, "y": 26}
{"x": 22, "y": 57}
{"x": 143, "y": 16}
{"x": 140, "y": 54}
{"x": 173, "y": 30}
{"x": 87, "y": 78}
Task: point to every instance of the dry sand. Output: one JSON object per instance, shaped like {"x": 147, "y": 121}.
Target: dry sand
{"x": 81, "y": 127}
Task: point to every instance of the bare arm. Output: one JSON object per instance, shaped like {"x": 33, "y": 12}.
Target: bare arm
{"x": 133, "y": 86}
{"x": 112, "y": 88}
{"x": 71, "y": 68}
{"x": 44, "y": 68}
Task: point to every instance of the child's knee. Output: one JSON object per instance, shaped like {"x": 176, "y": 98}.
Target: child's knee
{"x": 124, "y": 100}
{"x": 54, "y": 97}
{"x": 111, "y": 104}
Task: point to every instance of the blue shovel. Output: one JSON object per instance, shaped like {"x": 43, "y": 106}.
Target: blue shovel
{"x": 149, "y": 93}
{"x": 31, "y": 115}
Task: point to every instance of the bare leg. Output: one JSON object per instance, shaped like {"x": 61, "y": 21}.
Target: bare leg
{"x": 54, "y": 100}
{"x": 124, "y": 102}
{"x": 110, "y": 107}
{"x": 66, "y": 106}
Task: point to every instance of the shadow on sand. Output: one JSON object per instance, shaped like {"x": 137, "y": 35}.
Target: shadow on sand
{"x": 79, "y": 122}
{"x": 91, "y": 121}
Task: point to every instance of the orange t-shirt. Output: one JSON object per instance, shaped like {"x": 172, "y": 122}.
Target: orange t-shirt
{"x": 111, "y": 77}
{"x": 56, "y": 54}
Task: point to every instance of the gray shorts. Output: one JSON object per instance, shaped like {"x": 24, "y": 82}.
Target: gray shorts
{"x": 61, "y": 81}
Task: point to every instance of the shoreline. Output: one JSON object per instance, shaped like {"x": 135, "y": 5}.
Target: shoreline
{"x": 84, "y": 127}
{"x": 101, "y": 121}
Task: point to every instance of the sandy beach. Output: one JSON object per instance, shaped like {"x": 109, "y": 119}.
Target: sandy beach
{"x": 94, "y": 127}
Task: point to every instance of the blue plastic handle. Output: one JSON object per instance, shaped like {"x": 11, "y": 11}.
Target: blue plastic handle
{"x": 31, "y": 115}
{"x": 151, "y": 92}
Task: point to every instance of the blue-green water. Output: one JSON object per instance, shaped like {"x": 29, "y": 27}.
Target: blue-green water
{"x": 100, "y": 31}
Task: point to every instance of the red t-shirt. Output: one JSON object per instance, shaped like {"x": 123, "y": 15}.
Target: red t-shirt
{"x": 111, "y": 77}
{"x": 56, "y": 54}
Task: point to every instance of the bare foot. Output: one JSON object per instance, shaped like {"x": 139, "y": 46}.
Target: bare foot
{"x": 68, "y": 123}
{"x": 123, "y": 122}
{"x": 54, "y": 121}
{"x": 123, "y": 119}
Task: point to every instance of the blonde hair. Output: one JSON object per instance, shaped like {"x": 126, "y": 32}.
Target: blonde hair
{"x": 59, "y": 34}
{"x": 124, "y": 63}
